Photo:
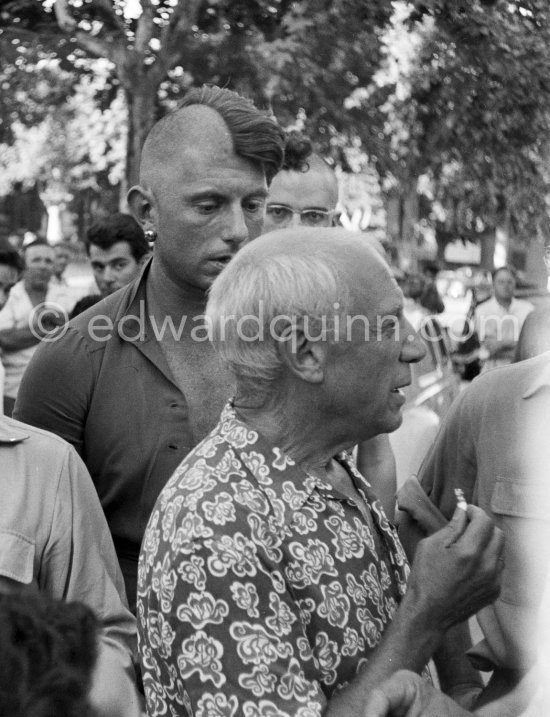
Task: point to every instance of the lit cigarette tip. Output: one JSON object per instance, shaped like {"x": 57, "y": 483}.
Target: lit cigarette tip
{"x": 460, "y": 499}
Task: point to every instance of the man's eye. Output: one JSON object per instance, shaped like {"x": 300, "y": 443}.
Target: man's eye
{"x": 120, "y": 265}
{"x": 207, "y": 207}
{"x": 255, "y": 205}
{"x": 279, "y": 213}
{"x": 314, "y": 218}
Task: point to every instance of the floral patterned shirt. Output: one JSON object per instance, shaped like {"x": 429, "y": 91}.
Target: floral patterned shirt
{"x": 261, "y": 588}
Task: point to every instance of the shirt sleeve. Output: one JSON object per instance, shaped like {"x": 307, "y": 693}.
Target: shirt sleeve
{"x": 451, "y": 462}
{"x": 534, "y": 338}
{"x": 79, "y": 561}
{"x": 220, "y": 631}
{"x": 56, "y": 388}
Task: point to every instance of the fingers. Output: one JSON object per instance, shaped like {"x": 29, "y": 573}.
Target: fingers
{"x": 396, "y": 696}
{"x": 478, "y": 532}
{"x": 456, "y": 527}
{"x": 378, "y": 705}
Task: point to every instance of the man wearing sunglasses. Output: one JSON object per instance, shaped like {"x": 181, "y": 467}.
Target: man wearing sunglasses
{"x": 305, "y": 191}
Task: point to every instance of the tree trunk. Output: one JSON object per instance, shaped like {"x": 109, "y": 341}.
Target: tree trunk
{"x": 408, "y": 224}
{"x": 488, "y": 241}
{"x": 142, "y": 107}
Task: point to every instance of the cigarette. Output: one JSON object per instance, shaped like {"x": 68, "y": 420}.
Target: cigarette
{"x": 460, "y": 499}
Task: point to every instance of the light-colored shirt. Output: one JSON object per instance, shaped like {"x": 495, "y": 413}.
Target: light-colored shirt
{"x": 15, "y": 315}
{"x": 54, "y": 536}
{"x": 494, "y": 321}
{"x": 494, "y": 445}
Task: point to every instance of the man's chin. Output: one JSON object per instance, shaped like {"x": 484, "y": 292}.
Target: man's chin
{"x": 395, "y": 422}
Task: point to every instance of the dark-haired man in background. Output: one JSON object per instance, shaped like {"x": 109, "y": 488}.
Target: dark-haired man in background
{"x": 117, "y": 248}
{"x": 134, "y": 384}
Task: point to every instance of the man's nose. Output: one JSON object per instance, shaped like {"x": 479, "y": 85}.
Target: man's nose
{"x": 413, "y": 348}
{"x": 236, "y": 230}
{"x": 108, "y": 275}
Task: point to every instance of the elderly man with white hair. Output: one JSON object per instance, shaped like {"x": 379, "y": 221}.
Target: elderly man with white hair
{"x": 270, "y": 580}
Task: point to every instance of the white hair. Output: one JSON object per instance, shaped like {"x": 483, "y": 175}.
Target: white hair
{"x": 260, "y": 294}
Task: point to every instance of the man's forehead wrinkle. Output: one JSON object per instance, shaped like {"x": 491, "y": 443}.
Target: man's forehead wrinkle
{"x": 175, "y": 135}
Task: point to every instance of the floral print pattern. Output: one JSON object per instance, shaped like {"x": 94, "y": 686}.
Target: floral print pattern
{"x": 261, "y": 588}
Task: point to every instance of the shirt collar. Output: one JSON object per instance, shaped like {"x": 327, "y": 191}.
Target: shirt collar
{"x": 134, "y": 305}
{"x": 286, "y": 496}
{"x": 11, "y": 432}
{"x": 281, "y": 478}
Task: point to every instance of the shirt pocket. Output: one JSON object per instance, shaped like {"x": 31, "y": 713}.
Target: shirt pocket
{"x": 521, "y": 508}
{"x": 16, "y": 556}
{"x": 521, "y": 498}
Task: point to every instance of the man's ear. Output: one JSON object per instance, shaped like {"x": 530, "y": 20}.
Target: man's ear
{"x": 141, "y": 205}
{"x": 304, "y": 357}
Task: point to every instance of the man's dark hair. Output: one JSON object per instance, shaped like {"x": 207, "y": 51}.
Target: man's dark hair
{"x": 48, "y": 650}
{"x": 118, "y": 227}
{"x": 256, "y": 136}
{"x": 11, "y": 257}
{"x": 297, "y": 150}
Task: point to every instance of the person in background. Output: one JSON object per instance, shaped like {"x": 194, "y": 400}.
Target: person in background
{"x": 132, "y": 383}
{"x": 49, "y": 652}
{"x": 117, "y": 248}
{"x": 63, "y": 255}
{"x": 11, "y": 266}
{"x": 413, "y": 290}
{"x": 304, "y": 191}
{"x": 498, "y": 321}
{"x": 34, "y": 307}
{"x": 493, "y": 445}
{"x": 54, "y": 539}
{"x": 430, "y": 298}
{"x": 85, "y": 303}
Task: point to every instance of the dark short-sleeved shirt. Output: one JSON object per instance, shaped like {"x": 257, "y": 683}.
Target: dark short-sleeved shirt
{"x": 110, "y": 393}
{"x": 261, "y": 587}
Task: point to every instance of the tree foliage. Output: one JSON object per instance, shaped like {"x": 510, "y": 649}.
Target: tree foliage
{"x": 454, "y": 91}
{"x": 300, "y": 58}
{"x": 478, "y": 111}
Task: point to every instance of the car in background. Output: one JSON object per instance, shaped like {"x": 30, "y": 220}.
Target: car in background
{"x": 434, "y": 386}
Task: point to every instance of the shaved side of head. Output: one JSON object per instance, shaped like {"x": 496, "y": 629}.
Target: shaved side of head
{"x": 253, "y": 135}
{"x": 176, "y": 134}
